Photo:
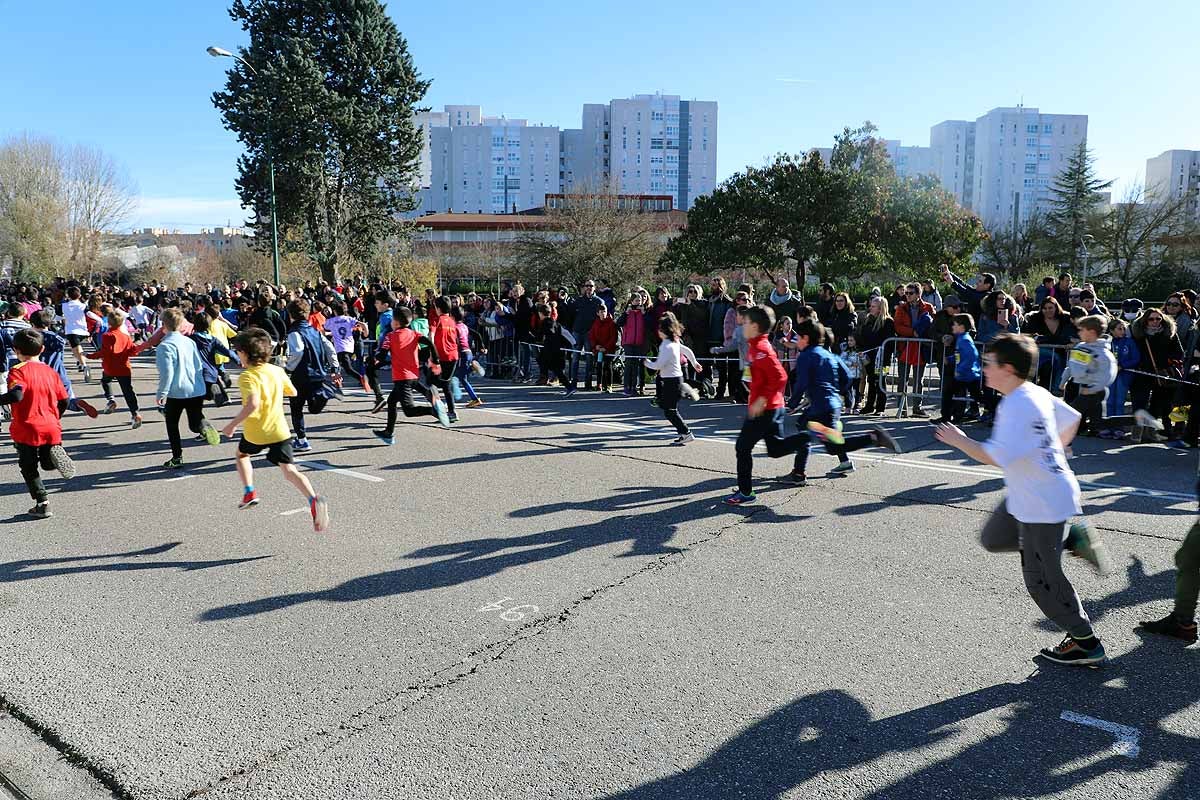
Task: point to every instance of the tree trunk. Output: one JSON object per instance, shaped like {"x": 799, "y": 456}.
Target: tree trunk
{"x": 801, "y": 277}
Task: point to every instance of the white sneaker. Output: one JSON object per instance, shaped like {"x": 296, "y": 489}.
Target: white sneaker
{"x": 1147, "y": 420}
{"x": 689, "y": 392}
{"x": 685, "y": 438}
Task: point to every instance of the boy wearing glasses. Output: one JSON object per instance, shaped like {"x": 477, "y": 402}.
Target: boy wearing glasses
{"x": 1041, "y": 493}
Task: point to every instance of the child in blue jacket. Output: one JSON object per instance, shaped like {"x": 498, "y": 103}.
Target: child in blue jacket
{"x": 1128, "y": 356}
{"x": 962, "y": 375}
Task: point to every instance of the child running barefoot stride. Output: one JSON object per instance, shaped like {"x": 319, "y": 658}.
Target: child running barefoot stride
{"x": 669, "y": 365}
{"x": 263, "y": 386}
{"x": 38, "y": 399}
{"x": 1041, "y": 493}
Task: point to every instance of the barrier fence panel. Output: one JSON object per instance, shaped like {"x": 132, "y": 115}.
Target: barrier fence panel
{"x": 913, "y": 370}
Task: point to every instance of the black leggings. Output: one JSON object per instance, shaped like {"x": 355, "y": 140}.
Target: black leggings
{"x": 403, "y": 393}
{"x": 442, "y": 382}
{"x": 173, "y": 410}
{"x": 29, "y": 457}
{"x": 126, "y": 384}
{"x": 346, "y": 362}
{"x": 315, "y": 403}
{"x": 668, "y": 401}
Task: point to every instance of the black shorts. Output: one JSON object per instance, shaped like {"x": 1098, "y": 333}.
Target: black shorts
{"x": 277, "y": 453}
{"x": 76, "y": 339}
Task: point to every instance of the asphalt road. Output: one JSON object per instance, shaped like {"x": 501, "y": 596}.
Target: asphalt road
{"x": 550, "y": 601}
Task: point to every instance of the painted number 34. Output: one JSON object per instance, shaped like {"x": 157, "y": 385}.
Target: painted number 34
{"x": 509, "y": 613}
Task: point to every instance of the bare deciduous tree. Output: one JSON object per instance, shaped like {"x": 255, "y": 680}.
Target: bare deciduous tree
{"x": 1136, "y": 240}
{"x": 592, "y": 235}
{"x": 99, "y": 197}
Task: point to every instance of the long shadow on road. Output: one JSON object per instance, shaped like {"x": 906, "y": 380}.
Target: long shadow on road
{"x": 647, "y": 533}
{"x": 29, "y": 569}
{"x": 1035, "y": 754}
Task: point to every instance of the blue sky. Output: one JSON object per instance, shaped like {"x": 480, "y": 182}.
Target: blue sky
{"x": 132, "y": 76}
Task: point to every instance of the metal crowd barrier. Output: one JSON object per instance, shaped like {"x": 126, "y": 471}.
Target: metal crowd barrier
{"x": 914, "y": 384}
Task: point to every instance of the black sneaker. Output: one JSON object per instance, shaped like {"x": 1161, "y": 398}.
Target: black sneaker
{"x": 1172, "y": 626}
{"x": 795, "y": 477}
{"x": 42, "y": 511}
{"x": 1073, "y": 653}
{"x": 379, "y": 405}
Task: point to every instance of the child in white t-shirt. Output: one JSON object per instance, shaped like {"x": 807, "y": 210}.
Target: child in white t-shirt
{"x": 1041, "y": 494}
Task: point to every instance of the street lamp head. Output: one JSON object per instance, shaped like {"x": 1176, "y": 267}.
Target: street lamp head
{"x": 217, "y": 52}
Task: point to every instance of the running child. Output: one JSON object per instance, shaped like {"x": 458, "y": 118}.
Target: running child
{"x": 53, "y": 355}
{"x": 819, "y": 377}
{"x": 181, "y": 388}
{"x": 1032, "y": 429}
{"x": 341, "y": 329}
{"x": 38, "y": 398}
{"x": 409, "y": 350}
{"x": 669, "y": 365}
{"x": 310, "y": 363}
{"x": 75, "y": 328}
{"x": 116, "y": 349}
{"x": 264, "y": 426}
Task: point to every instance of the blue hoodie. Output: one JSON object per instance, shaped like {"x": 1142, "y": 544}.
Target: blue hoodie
{"x": 966, "y": 359}
{"x": 819, "y": 374}
{"x": 180, "y": 368}
{"x": 1126, "y": 352}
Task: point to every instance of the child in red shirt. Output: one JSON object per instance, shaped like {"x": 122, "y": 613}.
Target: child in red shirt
{"x": 405, "y": 346}
{"x": 38, "y": 398}
{"x": 603, "y": 337}
{"x": 116, "y": 349}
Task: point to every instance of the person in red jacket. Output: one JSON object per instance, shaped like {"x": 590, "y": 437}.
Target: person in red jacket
{"x": 38, "y": 399}
{"x": 913, "y": 319}
{"x": 603, "y": 336}
{"x": 116, "y": 349}
{"x": 444, "y": 333}
{"x": 765, "y": 412}
{"x": 405, "y": 346}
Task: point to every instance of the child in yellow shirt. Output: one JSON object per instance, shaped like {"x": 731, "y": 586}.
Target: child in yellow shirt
{"x": 264, "y": 426}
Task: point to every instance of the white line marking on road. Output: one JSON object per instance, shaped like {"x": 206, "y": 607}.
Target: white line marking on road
{"x": 1098, "y": 487}
{"x": 293, "y": 511}
{"x": 349, "y": 473}
{"x": 1127, "y": 737}
{"x": 179, "y": 478}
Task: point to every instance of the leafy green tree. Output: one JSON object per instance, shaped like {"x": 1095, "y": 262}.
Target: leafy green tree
{"x": 840, "y": 220}
{"x": 330, "y": 96}
{"x": 1074, "y": 198}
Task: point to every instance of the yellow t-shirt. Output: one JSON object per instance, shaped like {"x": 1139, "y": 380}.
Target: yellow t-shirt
{"x": 222, "y": 331}
{"x": 270, "y": 384}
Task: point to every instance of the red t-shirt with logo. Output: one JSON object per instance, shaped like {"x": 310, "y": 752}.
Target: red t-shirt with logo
{"x": 35, "y": 418}
{"x": 403, "y": 346}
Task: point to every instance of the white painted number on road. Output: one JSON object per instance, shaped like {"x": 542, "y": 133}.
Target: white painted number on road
{"x": 512, "y": 613}
{"x": 1127, "y": 737}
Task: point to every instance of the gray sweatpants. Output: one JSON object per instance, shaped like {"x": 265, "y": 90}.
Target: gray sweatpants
{"x": 1041, "y": 547}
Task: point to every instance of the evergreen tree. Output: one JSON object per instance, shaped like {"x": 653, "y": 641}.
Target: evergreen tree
{"x": 1075, "y": 195}
{"x": 331, "y": 97}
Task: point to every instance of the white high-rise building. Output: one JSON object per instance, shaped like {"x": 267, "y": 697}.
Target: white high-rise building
{"x": 647, "y": 144}
{"x": 1174, "y": 174}
{"x": 485, "y": 165}
{"x": 910, "y": 160}
{"x": 1018, "y": 154}
{"x": 953, "y": 146}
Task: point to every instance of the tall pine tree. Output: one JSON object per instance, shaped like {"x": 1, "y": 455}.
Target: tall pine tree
{"x": 331, "y": 96}
{"x": 1074, "y": 198}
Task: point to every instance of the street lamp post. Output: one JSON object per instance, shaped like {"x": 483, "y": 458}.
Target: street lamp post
{"x": 1083, "y": 252}
{"x": 218, "y": 52}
